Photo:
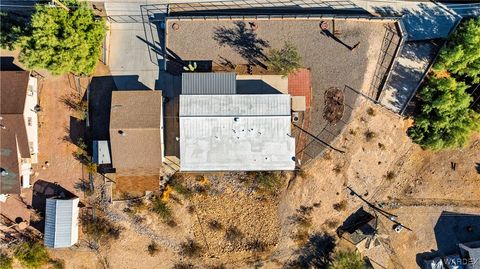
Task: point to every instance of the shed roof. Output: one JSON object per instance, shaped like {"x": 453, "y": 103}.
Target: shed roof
{"x": 208, "y": 83}
{"x": 61, "y": 222}
{"x": 136, "y": 130}
{"x": 236, "y": 133}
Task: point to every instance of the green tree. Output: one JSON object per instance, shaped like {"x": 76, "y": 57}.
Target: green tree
{"x": 32, "y": 254}
{"x": 63, "y": 41}
{"x": 11, "y": 27}
{"x": 348, "y": 260}
{"x": 445, "y": 121}
{"x": 5, "y": 261}
{"x": 461, "y": 55}
{"x": 284, "y": 61}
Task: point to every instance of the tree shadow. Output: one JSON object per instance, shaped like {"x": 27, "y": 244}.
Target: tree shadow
{"x": 244, "y": 41}
{"x": 41, "y": 191}
{"x": 317, "y": 253}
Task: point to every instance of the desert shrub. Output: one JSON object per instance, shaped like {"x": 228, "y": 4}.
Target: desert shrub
{"x": 381, "y": 146}
{"x": 153, "y": 248}
{"x": 353, "y": 132}
{"x": 100, "y": 230}
{"x": 31, "y": 254}
{"x": 340, "y": 206}
{"x": 256, "y": 245}
{"x": 183, "y": 265}
{"x": 181, "y": 189}
{"x": 390, "y": 175}
{"x": 285, "y": 60}
{"x": 57, "y": 264}
{"x": 5, "y": 261}
{"x": 190, "y": 249}
{"x": 268, "y": 182}
{"x": 348, "y": 260}
{"x": 371, "y": 112}
{"x": 233, "y": 234}
{"x": 370, "y": 135}
{"x": 215, "y": 225}
{"x": 331, "y": 223}
{"x": 446, "y": 119}
{"x": 337, "y": 168}
{"x": 161, "y": 209}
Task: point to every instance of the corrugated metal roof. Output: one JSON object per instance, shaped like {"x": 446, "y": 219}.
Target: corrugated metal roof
{"x": 236, "y": 133}
{"x": 61, "y": 222}
{"x": 235, "y": 105}
{"x": 208, "y": 83}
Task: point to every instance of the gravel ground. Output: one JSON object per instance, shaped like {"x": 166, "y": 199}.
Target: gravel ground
{"x": 332, "y": 64}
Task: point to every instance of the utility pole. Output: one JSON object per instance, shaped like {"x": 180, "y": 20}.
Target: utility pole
{"x": 389, "y": 216}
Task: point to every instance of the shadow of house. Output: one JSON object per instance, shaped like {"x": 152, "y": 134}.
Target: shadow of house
{"x": 244, "y": 41}
{"x": 41, "y": 191}
{"x": 6, "y": 64}
{"x": 255, "y": 86}
{"x": 452, "y": 229}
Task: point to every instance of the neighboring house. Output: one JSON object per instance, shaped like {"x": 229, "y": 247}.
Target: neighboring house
{"x": 61, "y": 222}
{"x": 19, "y": 130}
{"x": 136, "y": 132}
{"x": 471, "y": 254}
{"x": 224, "y": 131}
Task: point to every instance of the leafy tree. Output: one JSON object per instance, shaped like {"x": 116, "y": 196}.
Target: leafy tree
{"x": 348, "y": 260}
{"x": 5, "y": 261}
{"x": 63, "y": 41}
{"x": 461, "y": 56}
{"x": 11, "y": 27}
{"x": 284, "y": 61}
{"x": 32, "y": 254}
{"x": 445, "y": 121}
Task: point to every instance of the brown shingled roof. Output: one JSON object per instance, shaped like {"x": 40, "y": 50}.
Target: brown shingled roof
{"x": 13, "y": 135}
{"x": 13, "y": 90}
{"x": 135, "y": 131}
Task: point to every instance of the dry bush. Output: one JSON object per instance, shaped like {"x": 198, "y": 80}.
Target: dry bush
{"x": 331, "y": 223}
{"x": 233, "y": 234}
{"x": 100, "y": 230}
{"x": 161, "y": 209}
{"x": 390, "y": 175}
{"x": 256, "y": 245}
{"x": 370, "y": 135}
{"x": 381, "y": 146}
{"x": 215, "y": 225}
{"x": 183, "y": 265}
{"x": 352, "y": 132}
{"x": 190, "y": 249}
{"x": 153, "y": 248}
{"x": 337, "y": 168}
{"x": 371, "y": 111}
{"x": 340, "y": 206}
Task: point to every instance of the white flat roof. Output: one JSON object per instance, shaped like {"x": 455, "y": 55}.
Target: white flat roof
{"x": 236, "y": 133}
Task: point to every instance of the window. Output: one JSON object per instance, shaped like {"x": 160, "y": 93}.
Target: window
{"x": 29, "y": 121}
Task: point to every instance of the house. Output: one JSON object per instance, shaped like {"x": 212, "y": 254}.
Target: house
{"x": 136, "y": 132}
{"x": 224, "y": 131}
{"x": 19, "y": 130}
{"x": 471, "y": 254}
{"x": 61, "y": 222}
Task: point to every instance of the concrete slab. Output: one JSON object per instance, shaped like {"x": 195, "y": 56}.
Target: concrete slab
{"x": 134, "y": 56}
